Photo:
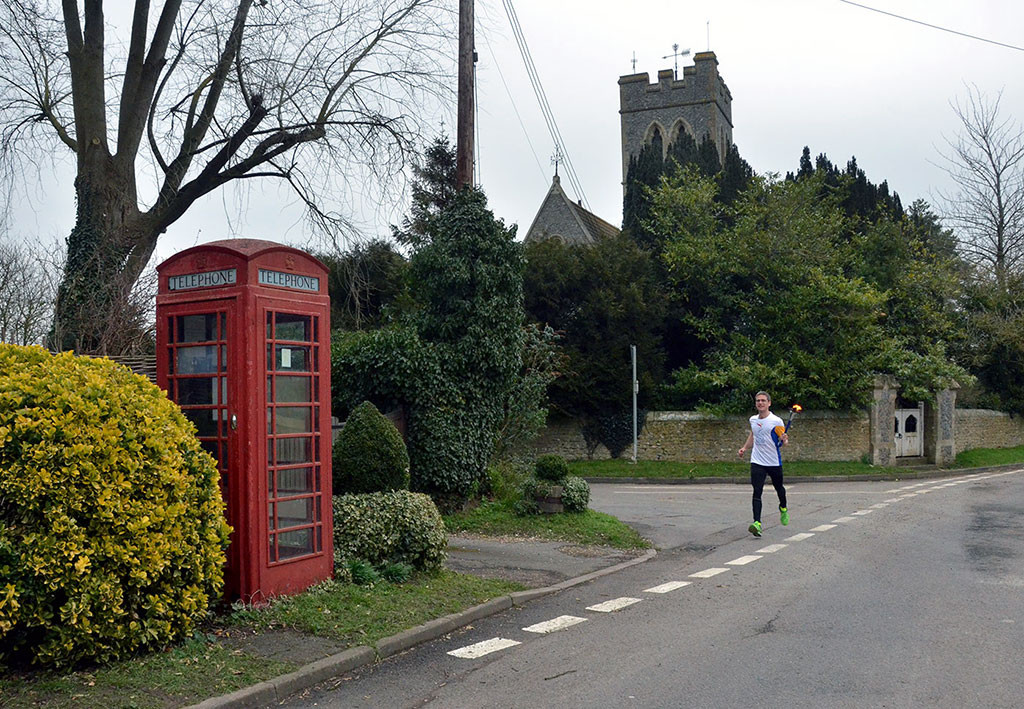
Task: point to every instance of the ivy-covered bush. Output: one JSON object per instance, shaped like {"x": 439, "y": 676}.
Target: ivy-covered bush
{"x": 112, "y": 530}
{"x": 552, "y": 468}
{"x": 389, "y": 527}
{"x": 575, "y": 494}
{"x": 369, "y": 454}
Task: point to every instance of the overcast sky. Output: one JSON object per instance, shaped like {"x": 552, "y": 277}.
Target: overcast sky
{"x": 840, "y": 79}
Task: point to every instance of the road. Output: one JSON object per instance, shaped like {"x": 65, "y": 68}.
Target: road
{"x": 883, "y": 594}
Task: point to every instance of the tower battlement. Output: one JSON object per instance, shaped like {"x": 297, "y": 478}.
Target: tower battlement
{"x": 699, "y": 102}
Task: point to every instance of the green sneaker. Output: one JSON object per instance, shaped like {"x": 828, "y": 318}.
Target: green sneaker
{"x": 755, "y": 529}
{"x": 784, "y": 515}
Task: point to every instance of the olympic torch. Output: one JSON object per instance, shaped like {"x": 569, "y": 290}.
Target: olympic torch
{"x": 792, "y": 410}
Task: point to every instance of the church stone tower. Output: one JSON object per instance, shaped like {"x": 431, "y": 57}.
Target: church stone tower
{"x": 699, "y": 103}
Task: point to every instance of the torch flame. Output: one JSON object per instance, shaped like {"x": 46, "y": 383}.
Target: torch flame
{"x": 797, "y": 407}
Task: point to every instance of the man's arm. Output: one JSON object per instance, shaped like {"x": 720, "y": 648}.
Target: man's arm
{"x": 747, "y": 445}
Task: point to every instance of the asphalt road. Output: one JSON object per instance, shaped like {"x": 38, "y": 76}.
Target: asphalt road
{"x": 882, "y": 594}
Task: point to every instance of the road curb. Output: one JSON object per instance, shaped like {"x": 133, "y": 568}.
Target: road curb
{"x": 272, "y": 692}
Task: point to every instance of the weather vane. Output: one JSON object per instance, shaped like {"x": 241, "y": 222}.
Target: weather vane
{"x": 557, "y": 158}
{"x": 675, "y": 55}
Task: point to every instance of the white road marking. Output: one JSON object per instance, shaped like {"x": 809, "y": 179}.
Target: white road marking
{"x": 743, "y": 560}
{"x": 471, "y": 652}
{"x": 894, "y": 499}
{"x": 666, "y": 587}
{"x": 708, "y": 573}
{"x": 559, "y": 623}
{"x": 616, "y": 604}
{"x": 845, "y": 520}
{"x": 823, "y": 527}
{"x": 909, "y": 494}
{"x": 879, "y": 505}
{"x": 799, "y": 537}
{"x": 772, "y": 548}
{"x": 861, "y": 513}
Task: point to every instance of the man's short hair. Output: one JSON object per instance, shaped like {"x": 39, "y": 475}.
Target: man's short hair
{"x": 765, "y": 395}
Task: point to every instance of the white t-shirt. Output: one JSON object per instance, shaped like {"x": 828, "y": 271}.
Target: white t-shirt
{"x": 767, "y": 430}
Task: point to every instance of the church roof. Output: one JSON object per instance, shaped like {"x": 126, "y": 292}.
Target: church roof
{"x": 560, "y": 217}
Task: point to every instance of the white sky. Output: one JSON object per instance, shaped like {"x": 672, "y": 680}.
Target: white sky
{"x": 843, "y": 80}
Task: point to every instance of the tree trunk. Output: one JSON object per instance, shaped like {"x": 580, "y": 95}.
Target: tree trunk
{"x": 94, "y": 312}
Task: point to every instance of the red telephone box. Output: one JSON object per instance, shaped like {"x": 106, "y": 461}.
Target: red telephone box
{"x": 243, "y": 346}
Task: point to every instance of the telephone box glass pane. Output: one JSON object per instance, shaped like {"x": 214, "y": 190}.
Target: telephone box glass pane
{"x": 294, "y": 419}
{"x": 292, "y": 359}
{"x": 295, "y": 543}
{"x": 197, "y": 392}
{"x": 197, "y": 360}
{"x": 197, "y": 328}
{"x": 292, "y": 327}
{"x": 270, "y": 514}
{"x": 296, "y": 481}
{"x": 291, "y": 513}
{"x": 205, "y": 421}
{"x": 292, "y": 389}
{"x": 294, "y": 450}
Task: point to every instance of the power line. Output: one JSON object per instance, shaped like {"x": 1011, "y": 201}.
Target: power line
{"x": 934, "y": 27}
{"x": 545, "y": 107}
{"x": 515, "y": 109}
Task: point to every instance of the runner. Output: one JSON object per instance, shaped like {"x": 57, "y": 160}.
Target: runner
{"x": 767, "y": 435}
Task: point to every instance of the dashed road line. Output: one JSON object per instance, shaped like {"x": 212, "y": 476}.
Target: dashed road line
{"x": 744, "y": 560}
{"x": 845, "y": 520}
{"x": 485, "y": 647}
{"x": 616, "y": 604}
{"x": 667, "y": 587}
{"x": 772, "y": 548}
{"x": 708, "y": 573}
{"x": 861, "y": 513}
{"x": 823, "y": 527}
{"x": 799, "y": 537}
{"x": 560, "y": 623}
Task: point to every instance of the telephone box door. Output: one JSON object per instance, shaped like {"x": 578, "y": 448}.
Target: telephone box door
{"x": 297, "y": 399}
{"x": 201, "y": 380}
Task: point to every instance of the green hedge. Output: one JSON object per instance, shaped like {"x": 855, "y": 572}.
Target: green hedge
{"x": 369, "y": 454}
{"x": 389, "y": 527}
{"x": 112, "y": 530}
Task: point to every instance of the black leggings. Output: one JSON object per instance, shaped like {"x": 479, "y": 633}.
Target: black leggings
{"x": 757, "y": 475}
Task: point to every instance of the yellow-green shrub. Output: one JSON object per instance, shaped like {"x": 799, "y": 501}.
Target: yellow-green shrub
{"x": 112, "y": 530}
{"x": 387, "y": 527}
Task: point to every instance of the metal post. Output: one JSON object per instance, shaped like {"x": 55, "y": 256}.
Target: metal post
{"x": 636, "y": 388}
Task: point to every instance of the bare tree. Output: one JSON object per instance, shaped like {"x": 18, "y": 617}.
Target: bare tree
{"x": 27, "y": 292}
{"x": 202, "y": 93}
{"x": 986, "y": 208}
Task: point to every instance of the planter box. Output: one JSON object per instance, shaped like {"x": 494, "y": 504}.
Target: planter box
{"x": 551, "y": 504}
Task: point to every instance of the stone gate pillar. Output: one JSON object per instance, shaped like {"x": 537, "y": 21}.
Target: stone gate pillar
{"x": 883, "y": 411}
{"x": 944, "y": 428}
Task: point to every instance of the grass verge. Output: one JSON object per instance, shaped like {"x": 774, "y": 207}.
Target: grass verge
{"x": 189, "y": 673}
{"x": 669, "y": 469}
{"x": 362, "y": 615}
{"x": 202, "y": 667}
{"x": 589, "y": 527}
{"x": 983, "y": 457}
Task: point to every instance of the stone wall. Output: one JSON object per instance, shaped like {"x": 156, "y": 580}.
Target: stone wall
{"x": 982, "y": 428}
{"x": 687, "y": 436}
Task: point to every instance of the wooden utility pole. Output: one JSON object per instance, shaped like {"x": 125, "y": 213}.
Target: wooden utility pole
{"x": 464, "y": 129}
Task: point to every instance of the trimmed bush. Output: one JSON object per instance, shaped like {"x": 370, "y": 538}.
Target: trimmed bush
{"x": 112, "y": 530}
{"x": 389, "y": 527}
{"x": 369, "y": 454}
{"x": 552, "y": 468}
{"x": 575, "y": 494}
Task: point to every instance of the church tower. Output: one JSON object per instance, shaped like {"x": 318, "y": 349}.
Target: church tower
{"x": 699, "y": 103}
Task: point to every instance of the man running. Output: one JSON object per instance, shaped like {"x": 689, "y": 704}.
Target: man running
{"x": 767, "y": 435}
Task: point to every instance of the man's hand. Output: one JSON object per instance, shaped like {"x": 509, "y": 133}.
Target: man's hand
{"x": 741, "y": 452}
